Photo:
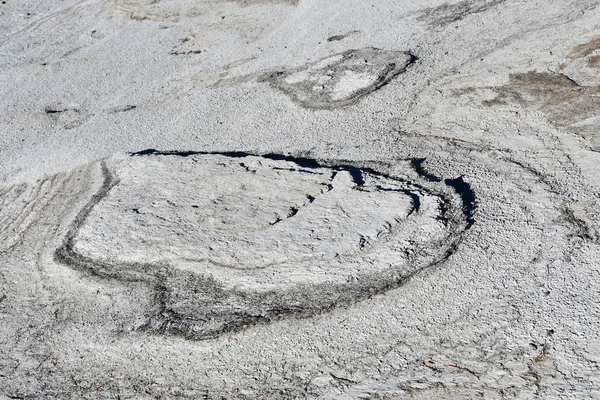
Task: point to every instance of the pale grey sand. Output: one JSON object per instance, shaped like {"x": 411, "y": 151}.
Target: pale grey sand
{"x": 299, "y": 199}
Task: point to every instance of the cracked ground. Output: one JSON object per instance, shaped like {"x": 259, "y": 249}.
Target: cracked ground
{"x": 299, "y": 199}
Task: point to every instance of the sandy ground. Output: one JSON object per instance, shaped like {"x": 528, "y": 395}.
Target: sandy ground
{"x": 299, "y": 199}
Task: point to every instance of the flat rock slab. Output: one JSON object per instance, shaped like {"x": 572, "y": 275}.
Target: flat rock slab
{"x": 227, "y": 240}
{"x": 341, "y": 79}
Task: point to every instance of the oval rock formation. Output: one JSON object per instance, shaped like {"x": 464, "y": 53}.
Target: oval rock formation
{"x": 232, "y": 239}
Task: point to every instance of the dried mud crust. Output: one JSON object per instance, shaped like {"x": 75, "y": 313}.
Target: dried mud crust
{"x": 519, "y": 216}
{"x": 341, "y": 79}
{"x": 228, "y": 240}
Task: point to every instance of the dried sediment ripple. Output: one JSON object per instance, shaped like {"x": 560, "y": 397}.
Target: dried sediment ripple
{"x": 21, "y": 205}
{"x": 340, "y": 79}
{"x": 232, "y": 239}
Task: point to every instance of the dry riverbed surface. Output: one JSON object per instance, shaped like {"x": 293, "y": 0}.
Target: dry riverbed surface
{"x": 299, "y": 199}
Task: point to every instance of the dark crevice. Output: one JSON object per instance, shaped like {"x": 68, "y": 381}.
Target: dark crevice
{"x": 417, "y": 164}
{"x": 357, "y": 176}
{"x": 309, "y": 172}
{"x": 294, "y": 210}
{"x": 126, "y": 108}
{"x": 300, "y": 161}
{"x": 181, "y": 53}
{"x": 345, "y": 381}
{"x": 444, "y": 208}
{"x": 363, "y": 242}
{"x": 296, "y": 170}
{"x": 49, "y": 110}
{"x": 415, "y": 199}
{"x": 336, "y": 38}
{"x": 247, "y": 168}
{"x": 462, "y": 188}
{"x": 468, "y": 197}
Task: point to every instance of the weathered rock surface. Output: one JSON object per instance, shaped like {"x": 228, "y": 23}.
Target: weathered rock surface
{"x": 228, "y": 240}
{"x": 365, "y": 200}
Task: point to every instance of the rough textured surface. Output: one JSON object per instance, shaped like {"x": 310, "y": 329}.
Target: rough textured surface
{"x": 453, "y": 12}
{"x": 435, "y": 238}
{"x": 564, "y": 101}
{"x": 224, "y": 247}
